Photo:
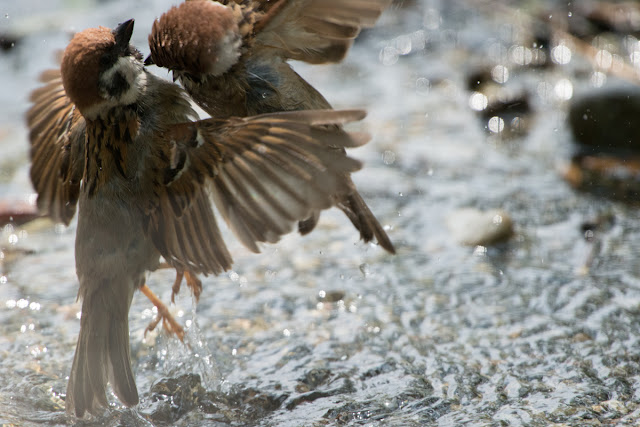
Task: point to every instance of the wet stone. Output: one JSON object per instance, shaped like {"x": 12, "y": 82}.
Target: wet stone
{"x": 241, "y": 405}
{"x": 331, "y": 296}
{"x": 480, "y": 228}
{"x": 386, "y": 367}
{"x": 8, "y": 41}
{"x": 610, "y": 176}
{"x": 174, "y": 397}
{"x": 313, "y": 379}
{"x": 606, "y": 121}
{"x": 344, "y": 386}
{"x": 502, "y": 110}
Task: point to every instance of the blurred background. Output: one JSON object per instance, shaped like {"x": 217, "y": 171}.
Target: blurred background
{"x": 504, "y": 163}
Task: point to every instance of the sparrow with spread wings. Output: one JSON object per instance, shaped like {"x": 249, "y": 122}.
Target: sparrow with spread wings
{"x": 125, "y": 148}
{"x": 231, "y": 57}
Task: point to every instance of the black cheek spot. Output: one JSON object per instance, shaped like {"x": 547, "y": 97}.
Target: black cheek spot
{"x": 117, "y": 86}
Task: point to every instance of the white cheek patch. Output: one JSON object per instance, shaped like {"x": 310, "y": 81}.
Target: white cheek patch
{"x": 131, "y": 70}
{"x": 228, "y": 53}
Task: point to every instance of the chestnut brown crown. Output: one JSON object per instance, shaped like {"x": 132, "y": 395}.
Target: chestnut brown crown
{"x": 197, "y": 37}
{"x": 100, "y": 69}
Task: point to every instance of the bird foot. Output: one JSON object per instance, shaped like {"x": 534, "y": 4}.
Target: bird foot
{"x": 169, "y": 323}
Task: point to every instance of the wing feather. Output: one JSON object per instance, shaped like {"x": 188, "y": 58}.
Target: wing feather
{"x": 263, "y": 174}
{"x": 57, "y": 135}
{"x": 315, "y": 31}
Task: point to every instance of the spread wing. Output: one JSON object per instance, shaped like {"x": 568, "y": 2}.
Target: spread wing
{"x": 315, "y": 31}
{"x": 263, "y": 174}
{"x": 57, "y": 136}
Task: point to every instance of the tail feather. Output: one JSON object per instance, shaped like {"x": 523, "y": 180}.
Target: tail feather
{"x": 363, "y": 219}
{"x": 121, "y": 375}
{"x": 102, "y": 355}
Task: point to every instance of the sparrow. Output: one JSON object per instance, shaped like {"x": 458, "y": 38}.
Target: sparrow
{"x": 232, "y": 57}
{"x": 124, "y": 147}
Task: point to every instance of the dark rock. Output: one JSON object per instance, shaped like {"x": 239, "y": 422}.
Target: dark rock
{"x": 607, "y": 121}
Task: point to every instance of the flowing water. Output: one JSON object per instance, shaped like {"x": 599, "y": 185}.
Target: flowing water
{"x": 325, "y": 330}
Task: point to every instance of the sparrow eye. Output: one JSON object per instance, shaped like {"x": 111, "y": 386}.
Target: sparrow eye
{"x": 107, "y": 60}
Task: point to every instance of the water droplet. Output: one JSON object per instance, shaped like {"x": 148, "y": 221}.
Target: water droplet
{"x": 588, "y": 235}
{"x": 598, "y": 79}
{"x": 389, "y": 55}
{"x": 564, "y": 89}
{"x": 389, "y": 157}
{"x": 496, "y": 124}
{"x": 432, "y": 19}
{"x": 478, "y": 101}
{"x": 404, "y": 44}
{"x": 480, "y": 251}
{"x": 561, "y": 54}
{"x": 500, "y": 74}
{"x": 364, "y": 269}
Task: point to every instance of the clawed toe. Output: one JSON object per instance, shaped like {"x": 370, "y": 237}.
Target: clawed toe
{"x": 169, "y": 323}
{"x": 193, "y": 282}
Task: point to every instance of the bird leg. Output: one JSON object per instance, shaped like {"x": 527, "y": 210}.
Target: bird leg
{"x": 169, "y": 323}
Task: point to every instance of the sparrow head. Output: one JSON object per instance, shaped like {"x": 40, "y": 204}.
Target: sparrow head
{"x": 196, "y": 38}
{"x": 101, "y": 70}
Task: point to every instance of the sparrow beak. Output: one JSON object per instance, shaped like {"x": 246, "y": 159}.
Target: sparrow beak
{"x": 123, "y": 33}
{"x": 149, "y": 61}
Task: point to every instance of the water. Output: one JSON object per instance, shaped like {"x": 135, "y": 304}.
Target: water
{"x": 324, "y": 330}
